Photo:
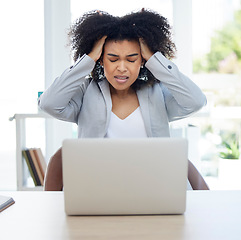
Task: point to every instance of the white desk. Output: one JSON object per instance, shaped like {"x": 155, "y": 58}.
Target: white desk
{"x": 40, "y": 215}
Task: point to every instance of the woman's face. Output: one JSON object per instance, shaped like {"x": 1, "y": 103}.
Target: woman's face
{"x": 122, "y": 61}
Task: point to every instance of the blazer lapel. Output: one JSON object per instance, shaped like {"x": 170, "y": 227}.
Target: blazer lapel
{"x": 143, "y": 98}
{"x": 105, "y": 89}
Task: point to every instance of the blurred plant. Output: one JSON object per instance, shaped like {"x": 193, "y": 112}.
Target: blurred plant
{"x": 231, "y": 150}
{"x": 225, "y": 50}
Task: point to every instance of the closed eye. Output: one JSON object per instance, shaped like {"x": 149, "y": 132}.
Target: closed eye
{"x": 132, "y": 57}
{"x": 132, "y": 61}
{"x": 113, "y": 60}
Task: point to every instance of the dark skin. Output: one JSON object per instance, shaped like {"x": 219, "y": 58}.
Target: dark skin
{"x": 54, "y": 178}
{"x": 121, "y": 59}
{"x": 124, "y": 99}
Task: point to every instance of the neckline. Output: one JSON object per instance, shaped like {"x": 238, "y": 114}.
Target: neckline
{"x": 127, "y": 116}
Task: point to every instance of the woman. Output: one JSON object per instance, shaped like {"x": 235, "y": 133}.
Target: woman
{"x": 133, "y": 90}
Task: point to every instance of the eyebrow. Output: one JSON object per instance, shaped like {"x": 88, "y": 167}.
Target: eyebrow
{"x": 130, "y": 55}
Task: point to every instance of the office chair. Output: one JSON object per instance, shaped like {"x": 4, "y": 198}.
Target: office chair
{"x": 54, "y": 182}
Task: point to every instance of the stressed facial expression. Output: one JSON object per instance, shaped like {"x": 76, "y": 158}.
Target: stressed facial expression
{"x": 122, "y": 61}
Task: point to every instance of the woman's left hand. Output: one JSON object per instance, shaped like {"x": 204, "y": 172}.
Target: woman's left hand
{"x": 145, "y": 50}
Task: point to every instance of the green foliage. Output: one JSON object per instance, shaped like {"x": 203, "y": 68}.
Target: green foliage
{"x": 231, "y": 150}
{"x": 225, "y": 50}
{"x": 200, "y": 65}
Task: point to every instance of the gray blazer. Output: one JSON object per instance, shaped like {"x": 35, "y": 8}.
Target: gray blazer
{"x": 72, "y": 97}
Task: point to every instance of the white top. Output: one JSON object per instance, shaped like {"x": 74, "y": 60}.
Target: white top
{"x": 130, "y": 127}
{"x": 72, "y": 96}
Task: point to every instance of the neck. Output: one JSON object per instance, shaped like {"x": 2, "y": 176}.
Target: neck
{"x": 122, "y": 94}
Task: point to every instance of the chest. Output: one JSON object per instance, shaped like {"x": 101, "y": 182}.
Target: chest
{"x": 124, "y": 107}
{"x": 130, "y": 127}
{"x": 95, "y": 113}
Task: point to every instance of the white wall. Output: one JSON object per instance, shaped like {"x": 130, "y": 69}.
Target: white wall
{"x": 57, "y": 21}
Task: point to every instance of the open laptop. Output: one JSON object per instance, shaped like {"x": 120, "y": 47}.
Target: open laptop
{"x": 125, "y": 176}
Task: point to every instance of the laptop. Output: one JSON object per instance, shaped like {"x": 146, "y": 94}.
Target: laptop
{"x": 125, "y": 176}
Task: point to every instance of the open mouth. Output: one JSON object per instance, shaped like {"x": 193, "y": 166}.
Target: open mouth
{"x": 121, "y": 79}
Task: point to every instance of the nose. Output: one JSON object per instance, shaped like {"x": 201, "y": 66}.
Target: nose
{"x": 122, "y": 67}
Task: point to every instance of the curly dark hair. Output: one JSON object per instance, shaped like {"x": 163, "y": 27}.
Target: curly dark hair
{"x": 146, "y": 24}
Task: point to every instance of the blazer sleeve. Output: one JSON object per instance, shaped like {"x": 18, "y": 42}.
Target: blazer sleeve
{"x": 63, "y": 99}
{"x": 182, "y": 96}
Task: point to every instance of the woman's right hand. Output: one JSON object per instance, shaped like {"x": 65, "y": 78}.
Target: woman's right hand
{"x": 97, "y": 49}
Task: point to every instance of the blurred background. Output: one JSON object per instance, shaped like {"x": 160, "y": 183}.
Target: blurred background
{"x": 34, "y": 51}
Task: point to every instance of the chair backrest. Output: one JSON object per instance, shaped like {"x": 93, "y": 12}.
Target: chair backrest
{"x": 54, "y": 180}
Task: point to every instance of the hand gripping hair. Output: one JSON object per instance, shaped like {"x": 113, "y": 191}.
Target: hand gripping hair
{"x": 148, "y": 25}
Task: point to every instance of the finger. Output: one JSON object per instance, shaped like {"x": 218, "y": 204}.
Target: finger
{"x": 104, "y": 37}
{"x": 145, "y": 50}
{"x": 142, "y": 41}
{"x": 102, "y": 40}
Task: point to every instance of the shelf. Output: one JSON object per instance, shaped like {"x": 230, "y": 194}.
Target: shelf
{"x": 37, "y": 188}
{"x": 22, "y": 171}
{"x": 19, "y": 116}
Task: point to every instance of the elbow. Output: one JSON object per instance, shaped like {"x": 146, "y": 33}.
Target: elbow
{"x": 45, "y": 105}
{"x": 40, "y": 104}
{"x": 200, "y": 102}
{"x": 197, "y": 105}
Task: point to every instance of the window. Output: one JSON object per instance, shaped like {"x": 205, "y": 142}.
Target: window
{"x": 216, "y": 66}
{"x": 22, "y": 58}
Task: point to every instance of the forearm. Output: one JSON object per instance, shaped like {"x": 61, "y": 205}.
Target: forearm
{"x": 60, "y": 98}
{"x": 187, "y": 95}
{"x": 195, "y": 178}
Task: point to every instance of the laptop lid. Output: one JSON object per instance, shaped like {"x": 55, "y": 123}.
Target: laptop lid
{"x": 125, "y": 176}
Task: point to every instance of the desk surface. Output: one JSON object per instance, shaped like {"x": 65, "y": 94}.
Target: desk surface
{"x": 40, "y": 215}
